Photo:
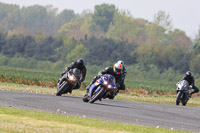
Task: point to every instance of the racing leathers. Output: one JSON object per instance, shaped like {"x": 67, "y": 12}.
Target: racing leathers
{"x": 190, "y": 80}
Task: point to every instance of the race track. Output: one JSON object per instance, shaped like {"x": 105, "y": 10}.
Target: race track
{"x": 148, "y": 114}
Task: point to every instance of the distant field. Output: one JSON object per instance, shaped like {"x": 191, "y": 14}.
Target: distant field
{"x": 49, "y": 78}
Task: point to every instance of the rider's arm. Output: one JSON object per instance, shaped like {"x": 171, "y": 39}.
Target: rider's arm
{"x": 124, "y": 71}
{"x": 71, "y": 66}
{"x": 184, "y": 78}
{"x": 105, "y": 71}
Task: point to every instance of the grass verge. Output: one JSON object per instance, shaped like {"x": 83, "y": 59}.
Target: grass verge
{"x": 18, "y": 120}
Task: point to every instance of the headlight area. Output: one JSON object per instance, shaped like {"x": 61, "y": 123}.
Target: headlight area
{"x": 110, "y": 86}
{"x": 105, "y": 82}
{"x": 71, "y": 77}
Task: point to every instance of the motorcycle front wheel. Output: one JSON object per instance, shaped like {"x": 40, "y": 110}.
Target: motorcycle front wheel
{"x": 96, "y": 96}
{"x": 60, "y": 88}
{"x": 178, "y": 99}
{"x": 185, "y": 99}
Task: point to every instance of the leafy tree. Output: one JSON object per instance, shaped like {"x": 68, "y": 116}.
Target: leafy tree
{"x": 124, "y": 27}
{"x": 30, "y": 48}
{"x": 122, "y": 51}
{"x": 179, "y": 38}
{"x": 195, "y": 65}
{"x": 163, "y": 19}
{"x": 20, "y": 30}
{"x": 121, "y": 27}
{"x": 173, "y": 56}
{"x": 162, "y": 56}
{"x": 155, "y": 34}
{"x": 68, "y": 45}
{"x": 65, "y": 16}
{"x": 195, "y": 54}
{"x": 46, "y": 49}
{"x": 86, "y": 13}
{"x": 102, "y": 50}
{"x": 35, "y": 17}
{"x": 72, "y": 29}
{"x": 78, "y": 52}
{"x": 196, "y": 46}
{"x": 99, "y": 50}
{"x": 103, "y": 15}
{"x": 2, "y": 39}
{"x": 13, "y": 46}
{"x": 9, "y": 16}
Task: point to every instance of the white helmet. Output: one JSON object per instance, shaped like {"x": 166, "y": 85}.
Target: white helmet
{"x": 118, "y": 67}
{"x": 121, "y": 62}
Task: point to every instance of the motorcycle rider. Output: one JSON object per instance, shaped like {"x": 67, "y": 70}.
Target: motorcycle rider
{"x": 79, "y": 64}
{"x": 118, "y": 71}
{"x": 188, "y": 77}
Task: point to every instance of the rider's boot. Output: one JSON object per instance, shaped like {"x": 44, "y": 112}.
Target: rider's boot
{"x": 190, "y": 95}
{"x": 70, "y": 91}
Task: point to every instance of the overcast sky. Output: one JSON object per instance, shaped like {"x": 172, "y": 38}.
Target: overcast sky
{"x": 185, "y": 14}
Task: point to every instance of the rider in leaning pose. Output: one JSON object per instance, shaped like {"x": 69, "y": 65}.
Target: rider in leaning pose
{"x": 188, "y": 77}
{"x": 118, "y": 71}
{"x": 79, "y": 64}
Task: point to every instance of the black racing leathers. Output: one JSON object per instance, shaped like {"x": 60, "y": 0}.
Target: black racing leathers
{"x": 190, "y": 80}
{"x": 81, "y": 68}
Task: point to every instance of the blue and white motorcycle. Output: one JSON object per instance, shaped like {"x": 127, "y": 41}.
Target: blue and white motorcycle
{"x": 103, "y": 87}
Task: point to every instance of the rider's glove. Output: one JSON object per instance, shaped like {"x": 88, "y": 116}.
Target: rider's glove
{"x": 99, "y": 75}
{"x": 63, "y": 73}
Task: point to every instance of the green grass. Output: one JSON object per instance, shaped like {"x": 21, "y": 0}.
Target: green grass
{"x": 21, "y": 121}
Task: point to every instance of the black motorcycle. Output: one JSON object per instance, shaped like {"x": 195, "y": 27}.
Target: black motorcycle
{"x": 183, "y": 93}
{"x": 68, "y": 81}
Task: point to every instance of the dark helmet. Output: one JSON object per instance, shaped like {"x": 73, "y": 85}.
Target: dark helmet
{"x": 80, "y": 62}
{"x": 188, "y": 73}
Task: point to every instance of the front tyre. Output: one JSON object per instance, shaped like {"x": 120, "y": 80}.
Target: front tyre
{"x": 96, "y": 96}
{"x": 178, "y": 99}
{"x": 185, "y": 100}
{"x": 60, "y": 88}
{"x": 85, "y": 98}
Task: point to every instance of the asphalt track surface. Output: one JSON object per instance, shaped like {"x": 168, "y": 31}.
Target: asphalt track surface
{"x": 139, "y": 113}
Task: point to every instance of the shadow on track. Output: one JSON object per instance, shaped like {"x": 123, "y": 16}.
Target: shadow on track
{"x": 75, "y": 97}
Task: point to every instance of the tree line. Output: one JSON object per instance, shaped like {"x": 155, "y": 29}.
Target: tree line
{"x": 100, "y": 37}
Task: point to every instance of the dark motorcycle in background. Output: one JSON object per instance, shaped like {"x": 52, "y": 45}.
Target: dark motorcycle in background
{"x": 68, "y": 81}
{"x": 183, "y": 94}
{"x": 103, "y": 87}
